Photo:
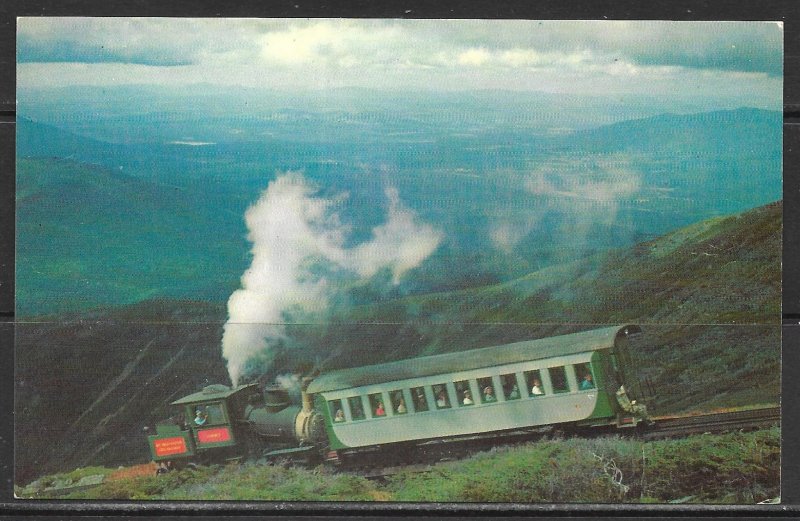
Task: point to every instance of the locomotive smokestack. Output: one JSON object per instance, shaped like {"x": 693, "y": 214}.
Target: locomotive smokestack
{"x": 276, "y": 398}
{"x": 307, "y": 405}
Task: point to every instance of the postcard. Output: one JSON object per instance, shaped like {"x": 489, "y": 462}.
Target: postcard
{"x": 398, "y": 260}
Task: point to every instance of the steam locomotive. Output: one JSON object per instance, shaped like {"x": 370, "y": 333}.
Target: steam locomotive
{"x": 582, "y": 380}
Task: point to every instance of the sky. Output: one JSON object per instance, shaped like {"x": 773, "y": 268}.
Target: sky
{"x": 724, "y": 59}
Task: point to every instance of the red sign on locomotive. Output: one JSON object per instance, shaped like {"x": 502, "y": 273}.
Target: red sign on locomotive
{"x": 214, "y": 435}
{"x": 169, "y": 446}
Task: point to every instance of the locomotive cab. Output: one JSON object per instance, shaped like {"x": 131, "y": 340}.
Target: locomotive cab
{"x": 210, "y": 430}
{"x": 229, "y": 423}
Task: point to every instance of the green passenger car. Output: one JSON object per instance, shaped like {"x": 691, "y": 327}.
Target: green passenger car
{"x": 581, "y": 379}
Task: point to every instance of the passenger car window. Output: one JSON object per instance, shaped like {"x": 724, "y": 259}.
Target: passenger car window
{"x": 377, "y": 406}
{"x": 398, "y": 402}
{"x": 337, "y": 413}
{"x": 534, "y": 382}
{"x": 510, "y": 387}
{"x": 356, "y": 408}
{"x": 442, "y": 399}
{"x": 558, "y": 378}
{"x": 420, "y": 401}
{"x": 463, "y": 393}
{"x": 585, "y": 376}
{"x": 486, "y": 387}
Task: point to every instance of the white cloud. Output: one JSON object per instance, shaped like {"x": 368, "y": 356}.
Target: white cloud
{"x": 611, "y": 58}
{"x": 521, "y": 57}
{"x": 343, "y": 43}
{"x": 531, "y": 57}
{"x": 474, "y": 57}
{"x": 300, "y": 45}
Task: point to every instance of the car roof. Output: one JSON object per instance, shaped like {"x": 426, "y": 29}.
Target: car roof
{"x": 527, "y": 350}
{"x": 212, "y": 392}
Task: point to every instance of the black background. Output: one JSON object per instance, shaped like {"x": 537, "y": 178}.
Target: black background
{"x": 787, "y": 11}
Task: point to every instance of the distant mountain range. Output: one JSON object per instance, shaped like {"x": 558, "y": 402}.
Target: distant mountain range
{"x": 719, "y": 132}
{"x": 106, "y": 224}
{"x": 138, "y": 113}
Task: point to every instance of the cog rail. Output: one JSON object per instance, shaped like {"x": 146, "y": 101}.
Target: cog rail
{"x": 669, "y": 427}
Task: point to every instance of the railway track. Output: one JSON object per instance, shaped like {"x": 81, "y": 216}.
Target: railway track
{"x": 669, "y": 427}
{"x": 664, "y": 427}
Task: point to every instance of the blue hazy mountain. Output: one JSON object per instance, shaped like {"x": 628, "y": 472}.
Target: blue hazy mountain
{"x": 139, "y": 203}
{"x": 126, "y": 114}
{"x": 90, "y": 236}
{"x": 39, "y": 139}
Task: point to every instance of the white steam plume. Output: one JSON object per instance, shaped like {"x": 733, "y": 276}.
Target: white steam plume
{"x": 293, "y": 234}
{"x": 584, "y": 192}
{"x": 292, "y": 384}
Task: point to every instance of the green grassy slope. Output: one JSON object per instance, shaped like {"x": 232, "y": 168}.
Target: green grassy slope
{"x": 741, "y": 468}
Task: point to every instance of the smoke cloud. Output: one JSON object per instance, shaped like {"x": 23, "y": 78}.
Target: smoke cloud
{"x": 292, "y": 384}
{"x": 581, "y": 193}
{"x": 300, "y": 260}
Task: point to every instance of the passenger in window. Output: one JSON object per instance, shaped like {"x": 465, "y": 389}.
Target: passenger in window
{"x": 514, "y": 394}
{"x": 587, "y": 382}
{"x": 467, "y": 398}
{"x": 401, "y": 407}
{"x": 379, "y": 410}
{"x": 537, "y": 390}
{"x": 488, "y": 394}
{"x": 420, "y": 404}
{"x": 356, "y": 410}
{"x": 441, "y": 400}
{"x": 200, "y": 418}
{"x": 339, "y": 417}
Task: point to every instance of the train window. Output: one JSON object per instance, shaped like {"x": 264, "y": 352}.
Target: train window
{"x": 398, "y": 402}
{"x": 209, "y": 414}
{"x": 463, "y": 393}
{"x": 199, "y": 415}
{"x": 558, "y": 377}
{"x": 534, "y": 382}
{"x": 356, "y": 408}
{"x": 487, "y": 390}
{"x": 585, "y": 377}
{"x": 510, "y": 387}
{"x": 442, "y": 399}
{"x": 337, "y": 413}
{"x": 376, "y": 405}
{"x": 420, "y": 402}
